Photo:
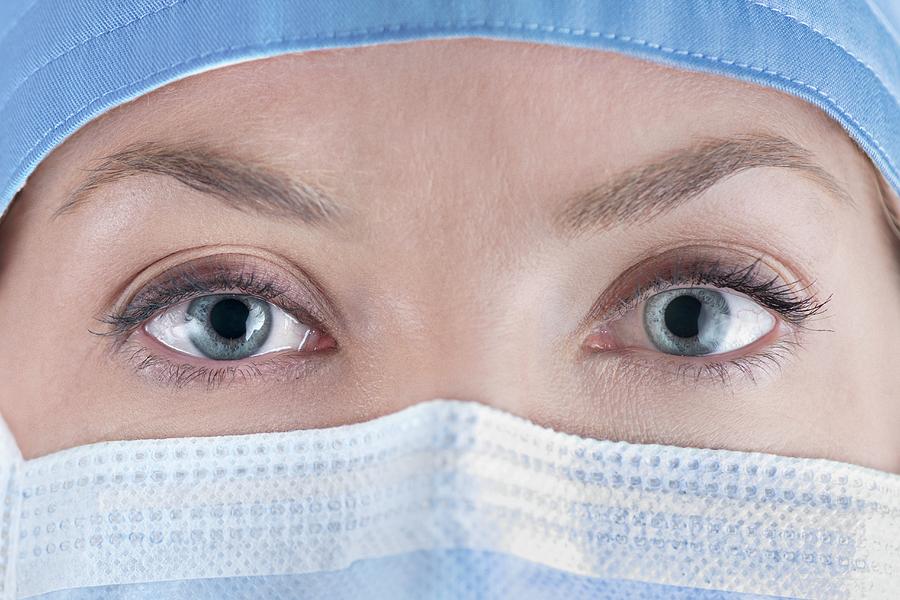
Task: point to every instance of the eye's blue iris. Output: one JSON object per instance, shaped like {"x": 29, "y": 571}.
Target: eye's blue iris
{"x": 229, "y": 327}
{"x": 687, "y": 321}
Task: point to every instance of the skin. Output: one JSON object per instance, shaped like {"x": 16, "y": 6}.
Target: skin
{"x": 447, "y": 272}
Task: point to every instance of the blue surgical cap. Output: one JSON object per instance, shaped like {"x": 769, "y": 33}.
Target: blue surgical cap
{"x": 63, "y": 62}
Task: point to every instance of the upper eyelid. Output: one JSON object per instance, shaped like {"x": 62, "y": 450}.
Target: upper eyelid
{"x": 693, "y": 265}
{"x": 320, "y": 313}
{"x": 641, "y": 292}
{"x": 641, "y": 295}
{"x": 291, "y": 307}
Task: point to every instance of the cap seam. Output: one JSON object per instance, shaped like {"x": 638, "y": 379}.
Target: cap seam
{"x": 831, "y": 40}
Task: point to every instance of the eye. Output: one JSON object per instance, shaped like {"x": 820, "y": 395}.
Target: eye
{"x": 697, "y": 321}
{"x": 704, "y": 313}
{"x": 230, "y": 327}
{"x": 688, "y": 321}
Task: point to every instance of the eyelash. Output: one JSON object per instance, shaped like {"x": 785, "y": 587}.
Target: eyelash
{"x": 188, "y": 284}
{"x": 795, "y": 304}
{"x": 185, "y": 285}
{"x": 790, "y": 302}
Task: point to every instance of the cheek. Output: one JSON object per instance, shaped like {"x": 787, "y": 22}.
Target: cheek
{"x": 44, "y": 353}
{"x": 863, "y": 353}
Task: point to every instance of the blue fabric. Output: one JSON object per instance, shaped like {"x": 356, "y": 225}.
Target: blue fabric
{"x": 437, "y": 574}
{"x": 64, "y": 63}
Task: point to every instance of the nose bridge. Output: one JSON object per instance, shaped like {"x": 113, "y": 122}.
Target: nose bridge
{"x": 458, "y": 333}
{"x": 454, "y": 236}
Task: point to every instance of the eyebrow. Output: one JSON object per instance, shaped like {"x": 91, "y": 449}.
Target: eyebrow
{"x": 239, "y": 184}
{"x": 642, "y": 193}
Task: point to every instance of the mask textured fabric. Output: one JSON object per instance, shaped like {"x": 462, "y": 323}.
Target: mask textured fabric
{"x": 64, "y": 63}
{"x": 439, "y": 477}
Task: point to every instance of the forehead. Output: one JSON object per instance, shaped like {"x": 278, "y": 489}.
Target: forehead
{"x": 492, "y": 134}
{"x": 466, "y": 93}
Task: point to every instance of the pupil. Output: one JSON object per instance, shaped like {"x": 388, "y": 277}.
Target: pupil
{"x": 683, "y": 316}
{"x": 228, "y": 318}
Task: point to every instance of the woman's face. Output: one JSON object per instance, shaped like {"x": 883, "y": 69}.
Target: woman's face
{"x": 323, "y": 238}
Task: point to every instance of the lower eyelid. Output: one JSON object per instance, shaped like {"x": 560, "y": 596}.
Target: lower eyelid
{"x": 762, "y": 358}
{"x": 602, "y": 340}
{"x": 163, "y": 366}
{"x": 636, "y": 365}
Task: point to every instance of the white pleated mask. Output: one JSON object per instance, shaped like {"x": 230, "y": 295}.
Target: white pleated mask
{"x": 445, "y": 499}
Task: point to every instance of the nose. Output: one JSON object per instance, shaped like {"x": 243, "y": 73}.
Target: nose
{"x": 466, "y": 334}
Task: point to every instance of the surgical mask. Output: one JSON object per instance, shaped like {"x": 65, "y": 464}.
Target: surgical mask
{"x": 444, "y": 499}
